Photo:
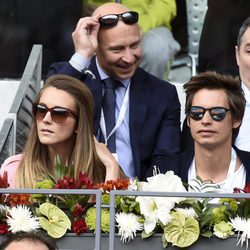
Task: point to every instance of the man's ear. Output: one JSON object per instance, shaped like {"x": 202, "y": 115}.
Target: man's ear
{"x": 188, "y": 121}
{"x": 237, "y": 54}
{"x": 236, "y": 123}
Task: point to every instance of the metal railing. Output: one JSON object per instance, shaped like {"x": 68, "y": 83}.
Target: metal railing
{"x": 98, "y": 202}
{"x": 99, "y": 241}
{"x": 15, "y": 127}
{"x": 114, "y": 193}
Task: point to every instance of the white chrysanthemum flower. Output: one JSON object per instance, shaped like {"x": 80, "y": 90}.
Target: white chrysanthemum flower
{"x": 128, "y": 224}
{"x": 188, "y": 212}
{"x": 20, "y": 218}
{"x": 242, "y": 225}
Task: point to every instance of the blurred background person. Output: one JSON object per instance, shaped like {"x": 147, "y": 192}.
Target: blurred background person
{"x": 242, "y": 58}
{"x": 28, "y": 241}
{"x": 221, "y": 26}
{"x": 242, "y": 50}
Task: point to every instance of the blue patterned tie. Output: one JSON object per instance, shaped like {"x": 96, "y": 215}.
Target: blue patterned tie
{"x": 109, "y": 104}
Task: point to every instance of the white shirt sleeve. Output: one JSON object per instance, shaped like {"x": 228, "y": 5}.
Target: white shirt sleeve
{"x": 79, "y": 62}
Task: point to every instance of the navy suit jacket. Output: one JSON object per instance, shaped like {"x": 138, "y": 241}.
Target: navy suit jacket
{"x": 154, "y": 118}
{"x": 181, "y": 163}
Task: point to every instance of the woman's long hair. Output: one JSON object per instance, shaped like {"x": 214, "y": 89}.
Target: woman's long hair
{"x": 34, "y": 164}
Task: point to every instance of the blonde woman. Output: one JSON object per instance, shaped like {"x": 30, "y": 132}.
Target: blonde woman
{"x": 63, "y": 115}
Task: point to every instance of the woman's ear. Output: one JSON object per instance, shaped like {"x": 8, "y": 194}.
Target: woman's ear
{"x": 76, "y": 129}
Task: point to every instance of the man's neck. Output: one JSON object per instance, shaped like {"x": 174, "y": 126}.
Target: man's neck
{"x": 212, "y": 164}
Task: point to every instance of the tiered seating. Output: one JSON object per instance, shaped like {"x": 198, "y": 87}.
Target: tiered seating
{"x": 14, "y": 130}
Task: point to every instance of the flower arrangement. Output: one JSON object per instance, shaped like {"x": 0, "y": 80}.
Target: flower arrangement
{"x": 181, "y": 221}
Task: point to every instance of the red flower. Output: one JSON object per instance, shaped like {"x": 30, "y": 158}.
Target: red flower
{"x": 3, "y": 184}
{"x": 84, "y": 182}
{"x": 66, "y": 183}
{"x": 79, "y": 226}
{"x": 4, "y": 228}
{"x": 18, "y": 199}
{"x": 119, "y": 184}
{"x": 247, "y": 188}
{"x": 4, "y": 180}
{"x": 237, "y": 190}
{"x": 78, "y": 210}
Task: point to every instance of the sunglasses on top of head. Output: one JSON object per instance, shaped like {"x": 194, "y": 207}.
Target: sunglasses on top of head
{"x": 58, "y": 114}
{"x": 217, "y": 113}
{"x": 111, "y": 20}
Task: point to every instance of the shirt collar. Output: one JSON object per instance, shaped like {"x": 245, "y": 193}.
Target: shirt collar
{"x": 103, "y": 75}
{"x": 246, "y": 91}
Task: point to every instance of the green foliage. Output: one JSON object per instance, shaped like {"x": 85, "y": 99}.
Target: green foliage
{"x": 128, "y": 204}
{"x": 205, "y": 216}
{"x": 244, "y": 209}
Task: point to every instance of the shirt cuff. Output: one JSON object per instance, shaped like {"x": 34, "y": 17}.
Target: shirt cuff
{"x": 79, "y": 62}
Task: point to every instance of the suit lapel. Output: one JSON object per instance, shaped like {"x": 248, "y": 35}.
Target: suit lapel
{"x": 139, "y": 99}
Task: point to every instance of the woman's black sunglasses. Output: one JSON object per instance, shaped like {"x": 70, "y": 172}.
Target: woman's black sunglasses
{"x": 217, "y": 113}
{"x": 58, "y": 114}
{"x": 111, "y": 20}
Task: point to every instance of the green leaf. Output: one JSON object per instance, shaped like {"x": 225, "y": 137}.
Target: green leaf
{"x": 164, "y": 241}
{"x": 207, "y": 234}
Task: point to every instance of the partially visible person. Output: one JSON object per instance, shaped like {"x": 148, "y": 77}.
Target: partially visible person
{"x": 28, "y": 241}
{"x": 215, "y": 107}
{"x": 146, "y": 109}
{"x": 62, "y": 125}
{"x": 242, "y": 50}
{"x": 221, "y": 26}
{"x": 158, "y": 44}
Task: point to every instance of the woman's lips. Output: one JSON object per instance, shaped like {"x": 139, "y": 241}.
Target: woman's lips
{"x": 46, "y": 131}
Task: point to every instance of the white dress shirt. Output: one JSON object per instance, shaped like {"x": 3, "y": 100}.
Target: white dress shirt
{"x": 123, "y": 145}
{"x": 243, "y": 139}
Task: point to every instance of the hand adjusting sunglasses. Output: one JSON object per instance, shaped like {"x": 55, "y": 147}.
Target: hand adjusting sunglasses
{"x": 217, "y": 113}
{"x": 58, "y": 114}
{"x": 111, "y": 20}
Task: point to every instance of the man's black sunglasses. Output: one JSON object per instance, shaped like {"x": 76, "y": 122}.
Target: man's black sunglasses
{"x": 217, "y": 113}
{"x": 111, "y": 20}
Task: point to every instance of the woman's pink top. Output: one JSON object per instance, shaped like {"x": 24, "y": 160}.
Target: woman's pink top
{"x": 10, "y": 166}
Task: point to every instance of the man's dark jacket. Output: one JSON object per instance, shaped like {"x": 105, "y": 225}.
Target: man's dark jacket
{"x": 154, "y": 114}
{"x": 182, "y": 162}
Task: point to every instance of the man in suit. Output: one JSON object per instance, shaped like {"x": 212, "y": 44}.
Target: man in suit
{"x": 215, "y": 107}
{"x": 147, "y": 126}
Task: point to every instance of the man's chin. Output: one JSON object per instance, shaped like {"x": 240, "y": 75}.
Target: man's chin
{"x": 125, "y": 74}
